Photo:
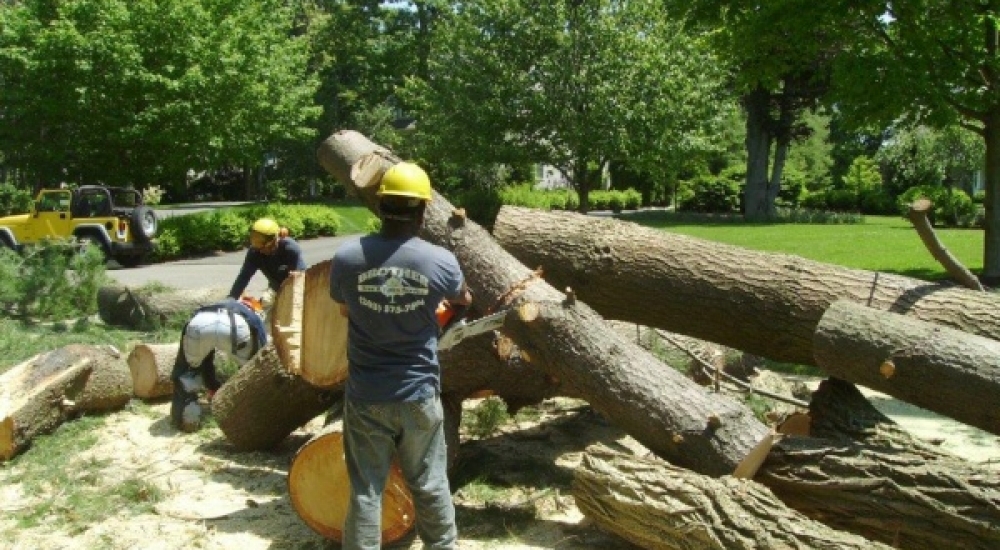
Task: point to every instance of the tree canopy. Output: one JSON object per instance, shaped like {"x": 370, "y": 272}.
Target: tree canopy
{"x": 137, "y": 92}
{"x": 574, "y": 85}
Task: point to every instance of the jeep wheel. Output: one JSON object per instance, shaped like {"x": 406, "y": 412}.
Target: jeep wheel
{"x": 144, "y": 223}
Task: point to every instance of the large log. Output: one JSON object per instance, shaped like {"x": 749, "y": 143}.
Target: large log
{"x": 263, "y": 403}
{"x": 869, "y": 477}
{"x": 148, "y": 308}
{"x": 662, "y": 409}
{"x": 308, "y": 329}
{"x": 151, "y": 365}
{"x": 38, "y": 395}
{"x": 763, "y": 303}
{"x": 942, "y": 369}
{"x": 661, "y": 507}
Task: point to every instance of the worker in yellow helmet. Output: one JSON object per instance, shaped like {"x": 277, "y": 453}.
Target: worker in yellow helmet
{"x": 273, "y": 253}
{"x": 389, "y": 285}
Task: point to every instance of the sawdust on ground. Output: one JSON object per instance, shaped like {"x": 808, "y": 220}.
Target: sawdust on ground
{"x": 216, "y": 498}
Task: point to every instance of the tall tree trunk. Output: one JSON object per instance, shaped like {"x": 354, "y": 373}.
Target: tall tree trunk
{"x": 991, "y": 241}
{"x": 758, "y": 143}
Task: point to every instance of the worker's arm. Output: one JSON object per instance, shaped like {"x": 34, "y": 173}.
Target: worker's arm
{"x": 464, "y": 297}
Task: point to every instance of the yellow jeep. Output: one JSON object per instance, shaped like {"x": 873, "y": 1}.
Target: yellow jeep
{"x": 113, "y": 218}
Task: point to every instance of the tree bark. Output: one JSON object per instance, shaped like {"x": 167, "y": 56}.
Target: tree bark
{"x": 319, "y": 488}
{"x": 762, "y": 303}
{"x": 659, "y": 506}
{"x": 870, "y": 477}
{"x": 262, "y": 403}
{"x": 661, "y": 408}
{"x": 945, "y": 370}
{"x": 151, "y": 365}
{"x": 38, "y": 395}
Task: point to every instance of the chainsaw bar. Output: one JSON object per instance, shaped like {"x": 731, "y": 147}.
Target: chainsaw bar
{"x": 464, "y": 329}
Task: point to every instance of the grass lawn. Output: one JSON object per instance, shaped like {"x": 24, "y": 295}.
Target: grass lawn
{"x": 882, "y": 243}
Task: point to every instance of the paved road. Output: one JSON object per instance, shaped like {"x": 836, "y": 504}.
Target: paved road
{"x": 215, "y": 271}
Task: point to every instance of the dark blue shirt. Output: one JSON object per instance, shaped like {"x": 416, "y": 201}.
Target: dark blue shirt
{"x": 286, "y": 258}
{"x": 392, "y": 288}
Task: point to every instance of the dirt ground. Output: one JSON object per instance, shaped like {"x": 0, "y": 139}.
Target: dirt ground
{"x": 216, "y": 498}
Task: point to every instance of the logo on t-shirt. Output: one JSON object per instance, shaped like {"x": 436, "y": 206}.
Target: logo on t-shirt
{"x": 393, "y": 290}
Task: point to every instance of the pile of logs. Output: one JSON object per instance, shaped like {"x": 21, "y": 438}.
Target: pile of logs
{"x": 717, "y": 477}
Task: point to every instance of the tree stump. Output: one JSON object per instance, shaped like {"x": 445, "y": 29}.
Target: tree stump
{"x": 320, "y": 490}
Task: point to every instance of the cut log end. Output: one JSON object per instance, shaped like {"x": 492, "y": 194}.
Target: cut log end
{"x": 320, "y": 490}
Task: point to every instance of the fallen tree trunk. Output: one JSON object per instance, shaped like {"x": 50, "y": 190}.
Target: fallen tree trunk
{"x": 661, "y": 408}
{"x": 143, "y": 308}
{"x": 938, "y": 368}
{"x": 38, "y": 395}
{"x": 659, "y": 506}
{"x": 871, "y": 478}
{"x": 151, "y": 365}
{"x": 762, "y": 303}
{"x": 262, "y": 403}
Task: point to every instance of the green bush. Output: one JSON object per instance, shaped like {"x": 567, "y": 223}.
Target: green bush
{"x": 952, "y": 207}
{"x": 53, "y": 280}
{"x": 14, "y": 200}
{"x": 227, "y": 229}
{"x": 712, "y": 194}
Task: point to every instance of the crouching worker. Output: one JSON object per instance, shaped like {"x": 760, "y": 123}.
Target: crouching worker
{"x": 236, "y": 328}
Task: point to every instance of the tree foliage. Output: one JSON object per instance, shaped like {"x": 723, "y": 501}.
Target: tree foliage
{"x": 138, "y": 92}
{"x": 570, "y": 84}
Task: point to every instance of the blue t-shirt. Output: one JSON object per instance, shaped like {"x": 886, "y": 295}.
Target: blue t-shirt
{"x": 286, "y": 258}
{"x": 392, "y": 288}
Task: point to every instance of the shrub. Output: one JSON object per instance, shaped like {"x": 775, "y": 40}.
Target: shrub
{"x": 952, "y": 207}
{"x": 53, "y": 280}
{"x": 14, "y": 200}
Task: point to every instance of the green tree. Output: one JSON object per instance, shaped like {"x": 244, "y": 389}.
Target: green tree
{"x": 138, "y": 92}
{"x": 573, "y": 84}
{"x": 930, "y": 62}
{"x": 779, "y": 53}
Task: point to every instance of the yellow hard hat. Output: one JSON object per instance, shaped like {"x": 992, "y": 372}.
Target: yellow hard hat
{"x": 263, "y": 231}
{"x": 405, "y": 179}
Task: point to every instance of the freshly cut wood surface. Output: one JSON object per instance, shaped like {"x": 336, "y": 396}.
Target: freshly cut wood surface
{"x": 320, "y": 490}
{"x": 308, "y": 330}
{"x": 151, "y": 365}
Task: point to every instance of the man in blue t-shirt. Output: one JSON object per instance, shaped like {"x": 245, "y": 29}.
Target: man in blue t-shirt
{"x": 273, "y": 253}
{"x": 389, "y": 286}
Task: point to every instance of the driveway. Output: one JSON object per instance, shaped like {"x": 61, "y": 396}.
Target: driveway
{"x": 215, "y": 271}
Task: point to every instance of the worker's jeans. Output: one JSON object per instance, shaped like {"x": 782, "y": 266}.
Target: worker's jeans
{"x": 414, "y": 430}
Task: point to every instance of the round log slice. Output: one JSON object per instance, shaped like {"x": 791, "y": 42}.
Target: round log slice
{"x": 320, "y": 490}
